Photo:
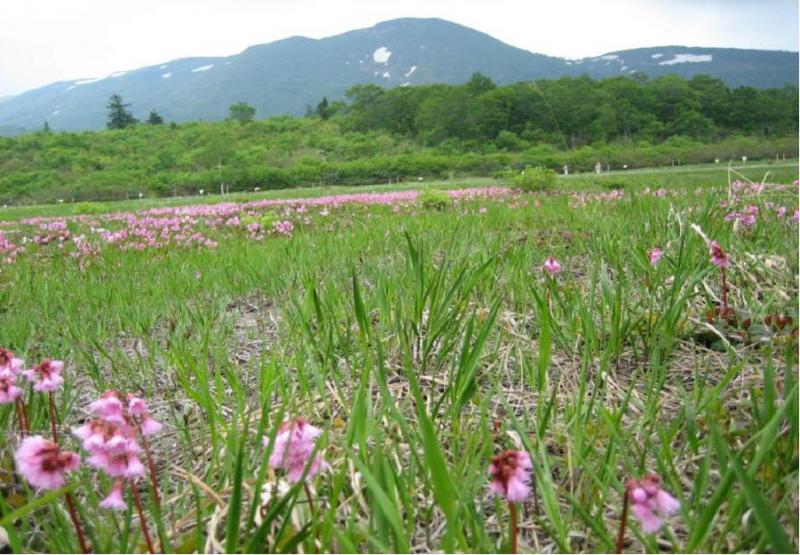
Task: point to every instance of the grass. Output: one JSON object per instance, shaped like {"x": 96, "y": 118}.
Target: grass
{"x": 700, "y": 175}
{"x": 421, "y": 341}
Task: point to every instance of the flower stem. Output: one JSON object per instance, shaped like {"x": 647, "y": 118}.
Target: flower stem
{"x": 18, "y": 410}
{"x": 310, "y": 501}
{"x": 151, "y": 467}
{"x": 621, "y": 535}
{"x": 73, "y": 514}
{"x": 53, "y": 422}
{"x": 512, "y": 509}
{"x": 724, "y": 292}
{"x": 312, "y": 511}
{"x": 137, "y": 500}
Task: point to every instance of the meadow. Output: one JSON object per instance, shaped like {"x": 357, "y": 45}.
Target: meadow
{"x": 421, "y": 329}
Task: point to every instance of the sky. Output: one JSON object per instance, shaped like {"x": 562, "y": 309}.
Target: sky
{"x": 42, "y": 41}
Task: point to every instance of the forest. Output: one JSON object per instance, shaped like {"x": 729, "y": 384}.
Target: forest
{"x": 431, "y": 131}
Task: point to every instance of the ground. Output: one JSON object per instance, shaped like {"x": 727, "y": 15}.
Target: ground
{"x": 422, "y": 338}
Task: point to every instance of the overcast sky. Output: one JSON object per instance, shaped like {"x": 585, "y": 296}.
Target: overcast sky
{"x": 42, "y": 41}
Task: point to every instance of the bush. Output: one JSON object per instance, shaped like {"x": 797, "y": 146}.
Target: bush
{"x": 535, "y": 179}
{"x": 433, "y": 198}
{"x": 87, "y": 208}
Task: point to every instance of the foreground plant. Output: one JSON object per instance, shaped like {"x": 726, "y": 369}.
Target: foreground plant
{"x": 45, "y": 466}
{"x": 10, "y": 367}
{"x": 113, "y": 443}
{"x": 293, "y": 451}
{"x": 511, "y": 479}
{"x": 720, "y": 259}
{"x": 649, "y": 504}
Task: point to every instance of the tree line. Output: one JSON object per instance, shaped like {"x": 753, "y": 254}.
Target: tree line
{"x": 120, "y": 117}
{"x": 569, "y": 112}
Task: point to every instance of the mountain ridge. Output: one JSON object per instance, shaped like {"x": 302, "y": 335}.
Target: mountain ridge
{"x": 284, "y": 76}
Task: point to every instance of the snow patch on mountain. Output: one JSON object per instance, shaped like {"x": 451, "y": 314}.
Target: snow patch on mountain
{"x": 202, "y": 68}
{"x": 687, "y": 58}
{"x": 87, "y": 81}
{"x": 166, "y": 75}
{"x": 656, "y": 56}
{"x": 118, "y": 74}
{"x": 411, "y": 71}
{"x": 381, "y": 55}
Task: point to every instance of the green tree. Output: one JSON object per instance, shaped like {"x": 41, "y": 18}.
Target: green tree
{"x": 323, "y": 109}
{"x": 118, "y": 115}
{"x": 154, "y": 118}
{"x": 241, "y": 112}
{"x": 479, "y": 84}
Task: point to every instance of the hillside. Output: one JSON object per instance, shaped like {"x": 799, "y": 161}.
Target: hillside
{"x": 285, "y": 76}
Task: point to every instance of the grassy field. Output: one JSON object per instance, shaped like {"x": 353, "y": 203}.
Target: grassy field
{"x": 700, "y": 175}
{"x": 421, "y": 336}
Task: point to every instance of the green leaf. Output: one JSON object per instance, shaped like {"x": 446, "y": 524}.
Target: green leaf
{"x": 761, "y": 510}
{"x": 39, "y": 502}
{"x": 235, "y": 504}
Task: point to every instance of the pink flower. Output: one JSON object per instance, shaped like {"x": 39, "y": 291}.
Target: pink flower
{"x": 649, "y": 503}
{"x": 796, "y": 216}
{"x": 47, "y": 376}
{"x": 43, "y": 464}
{"x": 138, "y": 407}
{"x": 112, "y": 447}
{"x": 150, "y": 426}
{"x": 511, "y": 475}
{"x": 9, "y": 392}
{"x": 109, "y": 407}
{"x": 115, "y": 500}
{"x": 294, "y": 445}
{"x": 9, "y": 362}
{"x": 655, "y": 255}
{"x": 552, "y": 266}
{"x": 718, "y": 256}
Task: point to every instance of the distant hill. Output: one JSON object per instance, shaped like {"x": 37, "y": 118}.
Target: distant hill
{"x": 285, "y": 76}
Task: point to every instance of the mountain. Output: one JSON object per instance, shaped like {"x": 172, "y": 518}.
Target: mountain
{"x": 285, "y": 76}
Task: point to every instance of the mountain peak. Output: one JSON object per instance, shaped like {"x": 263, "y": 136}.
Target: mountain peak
{"x": 284, "y": 76}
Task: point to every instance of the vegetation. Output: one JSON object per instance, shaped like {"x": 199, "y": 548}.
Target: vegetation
{"x": 241, "y": 112}
{"x": 119, "y": 117}
{"x": 438, "y": 131}
{"x": 534, "y": 179}
{"x": 574, "y": 111}
{"x": 421, "y": 342}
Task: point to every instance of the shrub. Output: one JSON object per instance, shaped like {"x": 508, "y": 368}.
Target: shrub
{"x": 535, "y": 179}
{"x": 88, "y": 208}
{"x": 432, "y": 198}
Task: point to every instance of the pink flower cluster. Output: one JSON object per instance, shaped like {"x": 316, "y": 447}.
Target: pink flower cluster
{"x": 293, "y": 448}
{"x": 747, "y": 218}
{"x": 655, "y": 255}
{"x": 284, "y": 228}
{"x": 9, "y": 250}
{"x": 649, "y": 502}
{"x": 552, "y": 266}
{"x": 10, "y": 368}
{"x": 511, "y": 475}
{"x": 718, "y": 256}
{"x": 46, "y": 377}
{"x": 43, "y": 464}
{"x": 112, "y": 440}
